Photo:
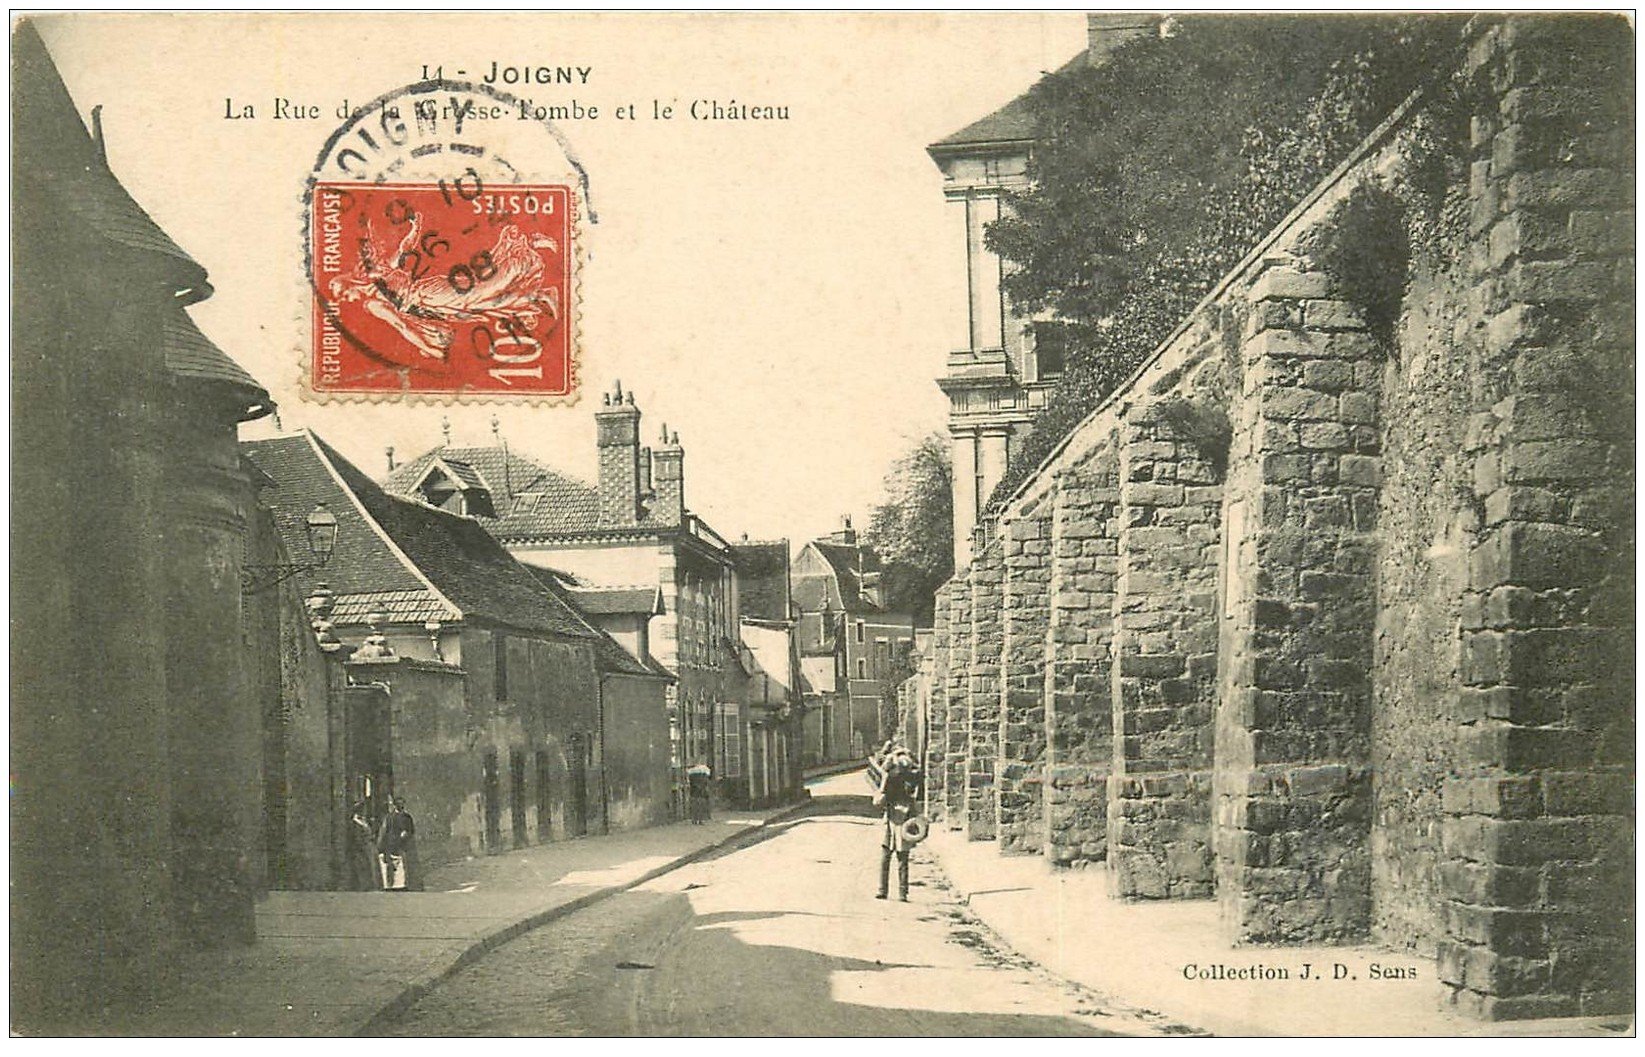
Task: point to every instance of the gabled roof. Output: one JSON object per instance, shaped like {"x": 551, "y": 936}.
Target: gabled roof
{"x": 762, "y": 578}
{"x": 530, "y": 499}
{"x": 846, "y": 562}
{"x": 389, "y": 544}
{"x": 464, "y": 474}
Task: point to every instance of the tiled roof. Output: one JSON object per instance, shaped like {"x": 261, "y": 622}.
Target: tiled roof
{"x": 608, "y": 600}
{"x": 397, "y": 607}
{"x": 530, "y": 499}
{"x": 190, "y": 354}
{"x": 463, "y": 473}
{"x": 453, "y": 554}
{"x": 361, "y": 562}
{"x": 762, "y": 578}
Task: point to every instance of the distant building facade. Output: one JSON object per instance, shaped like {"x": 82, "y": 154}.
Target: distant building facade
{"x": 1001, "y": 362}
{"x": 849, "y": 642}
{"x": 771, "y": 659}
{"x": 475, "y": 688}
{"x": 625, "y": 537}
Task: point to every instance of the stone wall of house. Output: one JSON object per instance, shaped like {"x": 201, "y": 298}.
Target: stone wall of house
{"x": 1334, "y": 603}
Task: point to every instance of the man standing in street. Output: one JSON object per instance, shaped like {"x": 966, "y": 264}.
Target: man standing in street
{"x": 899, "y": 795}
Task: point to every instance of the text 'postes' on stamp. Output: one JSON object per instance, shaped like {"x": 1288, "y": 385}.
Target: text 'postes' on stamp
{"x": 450, "y": 287}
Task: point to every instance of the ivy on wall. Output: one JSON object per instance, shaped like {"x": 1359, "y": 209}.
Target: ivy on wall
{"x": 1156, "y": 172}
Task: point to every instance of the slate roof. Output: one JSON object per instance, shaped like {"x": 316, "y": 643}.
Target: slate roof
{"x": 67, "y": 166}
{"x": 1011, "y": 123}
{"x": 190, "y": 354}
{"x": 603, "y": 601}
{"x": 434, "y": 564}
{"x": 846, "y": 561}
{"x": 609, "y": 653}
{"x": 762, "y": 578}
{"x": 530, "y": 499}
{"x": 71, "y": 164}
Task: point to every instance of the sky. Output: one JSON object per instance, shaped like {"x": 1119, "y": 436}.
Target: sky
{"x": 781, "y": 294}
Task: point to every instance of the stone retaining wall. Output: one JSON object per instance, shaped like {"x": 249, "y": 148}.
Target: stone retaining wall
{"x": 1327, "y": 615}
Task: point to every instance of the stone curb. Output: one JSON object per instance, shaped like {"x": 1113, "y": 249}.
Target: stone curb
{"x": 414, "y": 990}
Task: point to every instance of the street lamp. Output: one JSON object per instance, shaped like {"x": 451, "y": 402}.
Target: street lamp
{"x": 321, "y": 528}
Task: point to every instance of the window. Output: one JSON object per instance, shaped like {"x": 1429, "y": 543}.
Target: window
{"x": 730, "y": 741}
{"x": 859, "y": 631}
{"x": 1050, "y": 349}
{"x": 499, "y": 679}
{"x": 862, "y": 667}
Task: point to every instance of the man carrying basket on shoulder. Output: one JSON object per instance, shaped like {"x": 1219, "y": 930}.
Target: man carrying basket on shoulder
{"x": 899, "y": 792}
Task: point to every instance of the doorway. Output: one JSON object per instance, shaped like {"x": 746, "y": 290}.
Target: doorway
{"x": 576, "y": 811}
{"x": 516, "y": 795}
{"x": 490, "y": 799}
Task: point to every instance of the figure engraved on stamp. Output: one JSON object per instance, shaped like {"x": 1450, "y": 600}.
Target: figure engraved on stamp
{"x": 437, "y": 268}
{"x": 442, "y": 288}
{"x": 509, "y": 289}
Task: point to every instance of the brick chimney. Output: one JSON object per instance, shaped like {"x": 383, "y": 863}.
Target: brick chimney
{"x": 618, "y": 422}
{"x": 845, "y": 534}
{"x": 1106, "y": 31}
{"x": 668, "y": 480}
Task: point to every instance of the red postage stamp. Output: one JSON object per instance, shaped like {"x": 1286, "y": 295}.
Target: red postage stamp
{"x": 451, "y": 287}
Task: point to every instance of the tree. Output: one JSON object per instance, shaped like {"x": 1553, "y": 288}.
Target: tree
{"x": 1156, "y": 171}
{"x": 912, "y": 529}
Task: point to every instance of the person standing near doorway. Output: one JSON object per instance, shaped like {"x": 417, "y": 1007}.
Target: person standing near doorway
{"x": 363, "y": 872}
{"x": 394, "y": 838}
{"x": 698, "y": 789}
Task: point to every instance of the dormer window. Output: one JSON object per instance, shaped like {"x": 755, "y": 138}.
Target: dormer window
{"x": 456, "y": 486}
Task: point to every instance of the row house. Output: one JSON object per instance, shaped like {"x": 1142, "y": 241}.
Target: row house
{"x": 649, "y": 567}
{"x": 850, "y": 642}
{"x": 473, "y": 685}
{"x": 771, "y": 659}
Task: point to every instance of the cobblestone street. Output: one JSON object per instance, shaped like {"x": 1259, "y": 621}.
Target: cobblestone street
{"x": 781, "y": 937}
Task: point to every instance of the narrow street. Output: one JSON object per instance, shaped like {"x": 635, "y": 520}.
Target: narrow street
{"x": 781, "y": 936}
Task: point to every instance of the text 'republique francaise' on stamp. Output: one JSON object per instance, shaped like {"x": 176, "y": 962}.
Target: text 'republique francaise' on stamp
{"x": 441, "y": 252}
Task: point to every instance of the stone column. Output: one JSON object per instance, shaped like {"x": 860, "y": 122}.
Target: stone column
{"x": 1293, "y": 734}
{"x": 1079, "y": 707}
{"x": 958, "y": 727}
{"x": 983, "y": 694}
{"x": 1538, "y": 834}
{"x": 1163, "y": 675}
{"x": 1026, "y": 542}
{"x": 965, "y": 494}
{"x": 935, "y": 762}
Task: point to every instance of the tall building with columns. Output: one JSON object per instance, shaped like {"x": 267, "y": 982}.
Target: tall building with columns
{"x": 1001, "y": 363}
